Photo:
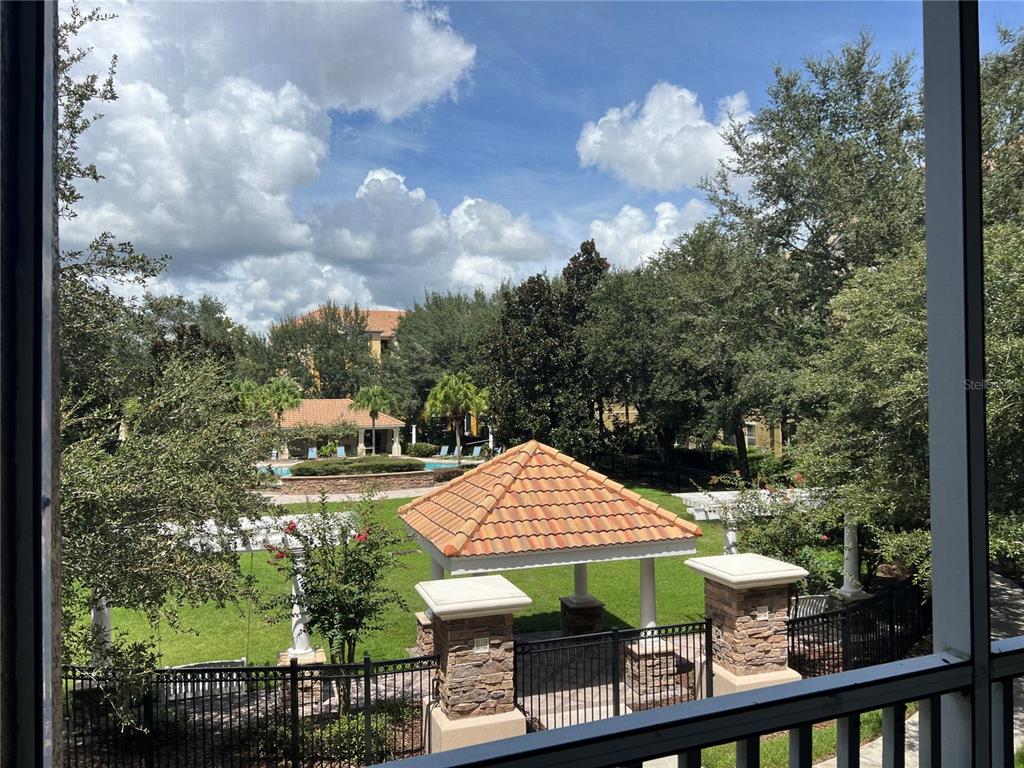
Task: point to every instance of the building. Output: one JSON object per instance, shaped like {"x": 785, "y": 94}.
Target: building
{"x": 381, "y": 325}
{"x": 317, "y": 422}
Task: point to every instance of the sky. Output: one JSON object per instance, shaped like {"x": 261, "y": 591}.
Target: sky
{"x": 284, "y": 154}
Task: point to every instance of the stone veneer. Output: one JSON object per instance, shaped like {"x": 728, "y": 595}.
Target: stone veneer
{"x": 655, "y": 673}
{"x": 475, "y": 682}
{"x": 311, "y": 682}
{"x": 424, "y": 634}
{"x": 301, "y": 485}
{"x": 581, "y": 616}
{"x": 745, "y": 643}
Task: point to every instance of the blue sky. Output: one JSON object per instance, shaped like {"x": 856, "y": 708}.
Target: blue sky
{"x": 366, "y": 153}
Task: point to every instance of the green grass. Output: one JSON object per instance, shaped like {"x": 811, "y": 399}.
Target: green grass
{"x": 214, "y": 632}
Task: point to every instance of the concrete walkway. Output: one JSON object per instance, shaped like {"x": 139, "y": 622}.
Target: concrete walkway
{"x": 292, "y": 498}
{"x": 1007, "y": 600}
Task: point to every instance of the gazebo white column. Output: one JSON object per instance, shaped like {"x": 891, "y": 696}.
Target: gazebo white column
{"x": 580, "y": 613}
{"x": 490, "y": 437}
{"x": 301, "y": 650}
{"x": 413, "y": 442}
{"x": 436, "y": 570}
{"x": 101, "y": 626}
{"x": 851, "y": 589}
{"x": 361, "y": 443}
{"x": 648, "y": 606}
{"x": 579, "y": 580}
{"x": 396, "y": 443}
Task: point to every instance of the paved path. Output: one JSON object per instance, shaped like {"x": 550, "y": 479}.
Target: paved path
{"x": 1007, "y": 621}
{"x": 292, "y": 498}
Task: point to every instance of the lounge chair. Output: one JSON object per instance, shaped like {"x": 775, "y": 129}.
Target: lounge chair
{"x": 458, "y": 452}
{"x": 476, "y": 451}
{"x": 341, "y": 451}
{"x": 273, "y": 455}
{"x": 444, "y": 452}
{"x": 311, "y": 453}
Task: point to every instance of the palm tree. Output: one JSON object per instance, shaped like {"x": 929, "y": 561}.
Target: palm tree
{"x": 374, "y": 399}
{"x": 453, "y": 397}
{"x": 280, "y": 394}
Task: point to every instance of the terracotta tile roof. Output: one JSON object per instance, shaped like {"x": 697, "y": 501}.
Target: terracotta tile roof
{"x": 533, "y": 498}
{"x": 382, "y": 321}
{"x": 326, "y": 413}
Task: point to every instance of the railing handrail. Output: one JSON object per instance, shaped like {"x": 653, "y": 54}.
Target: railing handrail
{"x": 693, "y": 626}
{"x": 677, "y": 729}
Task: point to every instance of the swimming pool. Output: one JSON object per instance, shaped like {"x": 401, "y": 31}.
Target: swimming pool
{"x": 439, "y": 464}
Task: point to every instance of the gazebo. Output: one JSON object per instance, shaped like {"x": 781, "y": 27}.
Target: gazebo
{"x": 533, "y": 506}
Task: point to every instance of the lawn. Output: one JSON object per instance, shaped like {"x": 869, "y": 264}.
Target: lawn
{"x": 211, "y": 632}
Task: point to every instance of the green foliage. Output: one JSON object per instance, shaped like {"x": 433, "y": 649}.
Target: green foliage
{"x": 796, "y": 533}
{"x": 1002, "y": 115}
{"x": 453, "y": 397}
{"x": 442, "y": 333}
{"x": 347, "y": 559}
{"x": 326, "y": 352}
{"x": 272, "y": 399}
{"x": 421, "y": 450}
{"x": 131, "y": 507}
{"x": 539, "y": 390}
{"x": 368, "y": 465}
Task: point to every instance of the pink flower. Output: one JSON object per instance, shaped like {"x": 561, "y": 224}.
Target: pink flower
{"x": 361, "y": 537}
{"x": 798, "y": 478}
{"x": 279, "y": 555}
{"x": 292, "y": 527}
{"x": 823, "y": 537}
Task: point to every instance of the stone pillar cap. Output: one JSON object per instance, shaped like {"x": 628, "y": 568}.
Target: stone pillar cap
{"x": 747, "y": 570}
{"x": 472, "y": 596}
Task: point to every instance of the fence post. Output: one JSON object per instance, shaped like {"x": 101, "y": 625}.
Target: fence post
{"x": 846, "y": 639}
{"x": 616, "y": 693}
{"x": 895, "y": 644}
{"x": 367, "y": 715}
{"x": 709, "y": 663}
{"x": 293, "y": 686}
{"x": 147, "y": 719}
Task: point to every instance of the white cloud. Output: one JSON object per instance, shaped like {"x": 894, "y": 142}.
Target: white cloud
{"x": 212, "y": 181}
{"x": 630, "y": 238}
{"x": 390, "y": 58}
{"x": 666, "y": 144}
{"x": 401, "y": 240}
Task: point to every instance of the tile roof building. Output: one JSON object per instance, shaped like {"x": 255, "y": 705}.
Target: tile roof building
{"x": 340, "y": 412}
{"x": 533, "y": 506}
{"x": 381, "y": 325}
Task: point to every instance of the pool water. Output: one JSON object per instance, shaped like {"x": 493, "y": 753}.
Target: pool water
{"x": 439, "y": 464}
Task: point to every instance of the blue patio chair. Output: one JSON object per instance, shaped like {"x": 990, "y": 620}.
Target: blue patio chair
{"x": 458, "y": 451}
{"x": 341, "y": 451}
{"x": 311, "y": 453}
{"x": 444, "y": 451}
{"x": 476, "y": 451}
{"x": 273, "y": 455}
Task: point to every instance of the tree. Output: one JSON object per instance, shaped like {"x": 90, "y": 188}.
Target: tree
{"x": 1002, "y": 129}
{"x": 345, "y": 561}
{"x": 375, "y": 399}
{"x": 538, "y": 387}
{"x": 327, "y": 351}
{"x": 136, "y": 511}
{"x": 444, "y": 332}
{"x": 453, "y": 397}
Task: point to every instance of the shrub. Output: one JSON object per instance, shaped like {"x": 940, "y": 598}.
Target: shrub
{"x": 444, "y": 475}
{"x": 370, "y": 465}
{"x": 421, "y": 450}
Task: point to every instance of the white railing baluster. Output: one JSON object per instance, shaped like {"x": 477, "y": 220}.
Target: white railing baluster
{"x": 848, "y": 742}
{"x": 894, "y": 736}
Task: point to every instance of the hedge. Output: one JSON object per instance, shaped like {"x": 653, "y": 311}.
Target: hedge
{"x": 369, "y": 465}
{"x": 422, "y": 450}
{"x": 448, "y": 473}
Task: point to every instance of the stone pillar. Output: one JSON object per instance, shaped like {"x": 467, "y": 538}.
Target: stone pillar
{"x": 581, "y": 612}
{"x": 851, "y": 589}
{"x": 424, "y": 633}
{"x": 472, "y": 634}
{"x": 746, "y": 597}
{"x": 648, "y": 602}
{"x": 413, "y": 435}
{"x": 396, "y": 443}
{"x": 654, "y": 671}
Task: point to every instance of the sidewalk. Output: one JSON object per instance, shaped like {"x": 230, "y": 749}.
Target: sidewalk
{"x": 291, "y": 498}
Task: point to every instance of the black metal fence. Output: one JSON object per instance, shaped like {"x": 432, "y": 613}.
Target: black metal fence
{"x": 882, "y": 628}
{"x": 319, "y": 715}
{"x": 643, "y": 471}
{"x": 571, "y": 680}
